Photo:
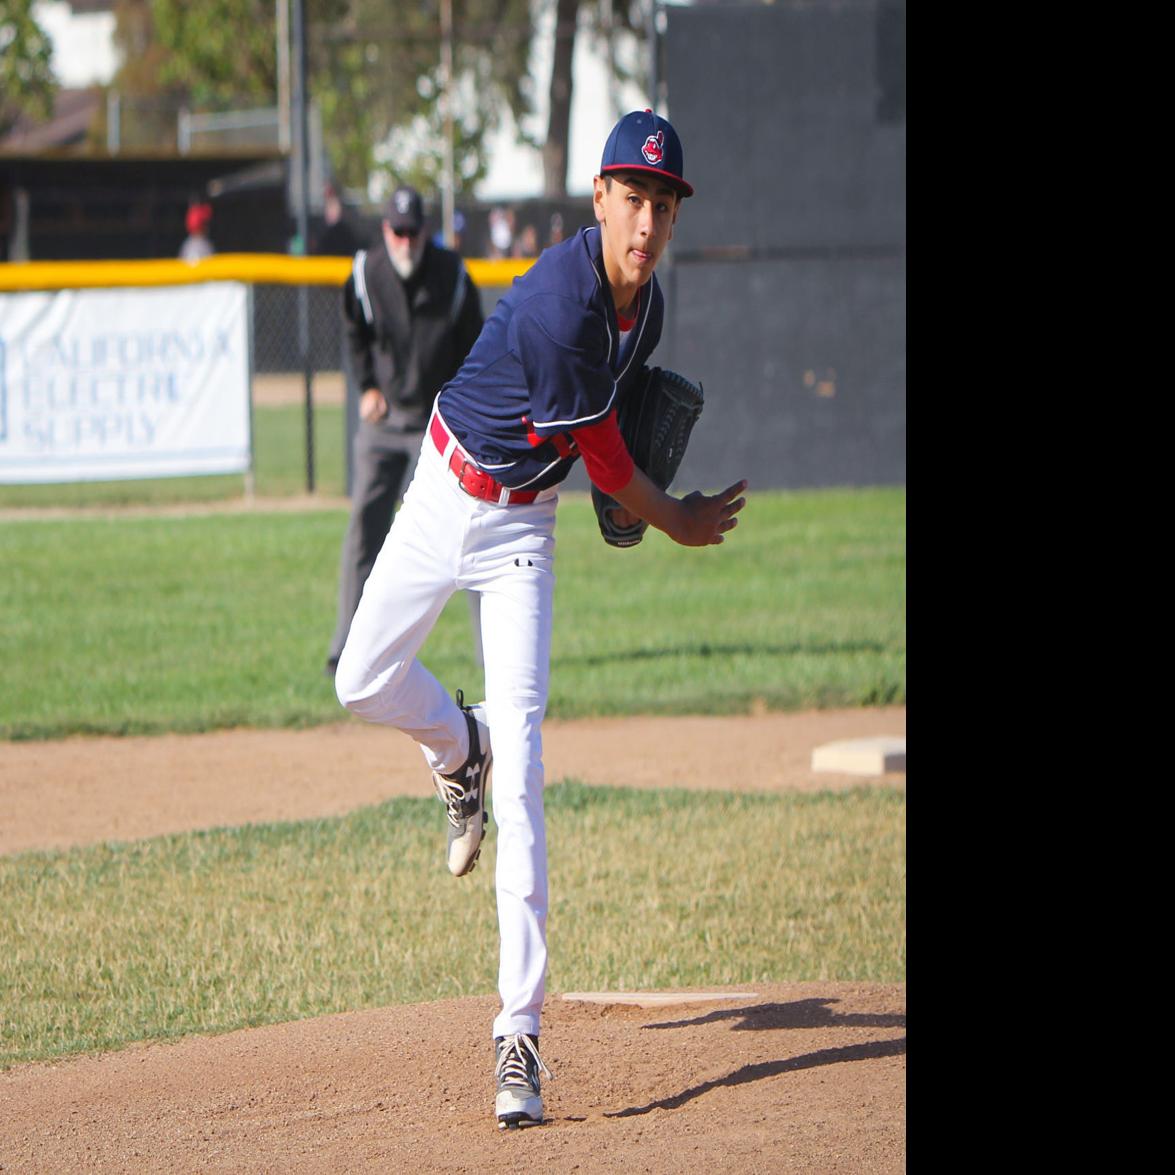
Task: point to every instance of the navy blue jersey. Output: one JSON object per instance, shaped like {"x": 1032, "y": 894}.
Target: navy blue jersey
{"x": 548, "y": 361}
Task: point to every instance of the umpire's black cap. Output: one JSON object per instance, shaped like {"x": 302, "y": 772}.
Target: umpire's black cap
{"x": 405, "y": 210}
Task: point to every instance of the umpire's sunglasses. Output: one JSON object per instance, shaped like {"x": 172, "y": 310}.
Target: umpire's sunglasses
{"x": 406, "y": 232}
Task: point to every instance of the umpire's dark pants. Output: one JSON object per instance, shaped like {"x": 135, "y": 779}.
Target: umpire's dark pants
{"x": 383, "y": 463}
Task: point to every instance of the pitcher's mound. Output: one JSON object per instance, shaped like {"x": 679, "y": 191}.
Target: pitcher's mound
{"x": 799, "y": 1077}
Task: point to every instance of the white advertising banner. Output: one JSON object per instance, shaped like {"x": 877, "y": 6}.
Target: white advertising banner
{"x": 108, "y": 384}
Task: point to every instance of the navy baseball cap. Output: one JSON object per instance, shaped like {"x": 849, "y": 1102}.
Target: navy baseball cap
{"x": 644, "y": 141}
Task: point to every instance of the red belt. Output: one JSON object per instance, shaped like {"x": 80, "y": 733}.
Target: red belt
{"x": 474, "y": 481}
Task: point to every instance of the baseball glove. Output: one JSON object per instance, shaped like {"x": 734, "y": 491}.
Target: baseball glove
{"x": 655, "y": 419}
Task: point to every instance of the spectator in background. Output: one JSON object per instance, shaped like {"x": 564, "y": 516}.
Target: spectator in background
{"x": 338, "y": 237}
{"x": 197, "y": 245}
{"x": 501, "y": 232}
{"x": 410, "y": 316}
{"x": 555, "y": 235}
{"x": 527, "y": 244}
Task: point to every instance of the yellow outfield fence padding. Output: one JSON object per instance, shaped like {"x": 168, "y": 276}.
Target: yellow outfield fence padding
{"x": 255, "y": 268}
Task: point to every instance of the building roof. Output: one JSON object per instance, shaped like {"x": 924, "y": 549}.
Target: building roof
{"x": 73, "y": 112}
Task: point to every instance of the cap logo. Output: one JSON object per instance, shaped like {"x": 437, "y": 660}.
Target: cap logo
{"x": 403, "y": 201}
{"x": 654, "y": 148}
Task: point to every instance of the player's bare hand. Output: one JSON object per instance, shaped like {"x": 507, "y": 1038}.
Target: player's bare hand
{"x": 710, "y": 517}
{"x": 372, "y": 406}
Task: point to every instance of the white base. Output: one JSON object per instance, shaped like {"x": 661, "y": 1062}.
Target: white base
{"x": 861, "y": 756}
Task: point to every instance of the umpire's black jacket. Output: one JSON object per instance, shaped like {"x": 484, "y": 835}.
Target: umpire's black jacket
{"x": 407, "y": 338}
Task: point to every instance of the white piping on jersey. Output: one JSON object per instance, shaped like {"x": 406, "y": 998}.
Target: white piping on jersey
{"x": 510, "y": 465}
{"x": 615, "y": 343}
{"x": 361, "y": 286}
{"x": 640, "y": 330}
{"x": 582, "y": 420}
{"x": 541, "y": 473}
{"x": 530, "y": 480}
{"x": 453, "y": 444}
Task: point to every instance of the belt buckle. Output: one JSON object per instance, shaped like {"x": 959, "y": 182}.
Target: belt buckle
{"x": 478, "y": 479}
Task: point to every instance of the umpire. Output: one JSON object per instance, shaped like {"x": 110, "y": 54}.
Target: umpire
{"x": 410, "y": 315}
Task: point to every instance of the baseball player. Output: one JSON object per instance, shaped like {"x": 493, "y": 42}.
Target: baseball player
{"x": 538, "y": 392}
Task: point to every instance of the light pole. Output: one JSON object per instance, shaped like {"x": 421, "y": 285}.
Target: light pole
{"x": 301, "y": 162}
{"x": 447, "y": 183}
{"x": 282, "y": 24}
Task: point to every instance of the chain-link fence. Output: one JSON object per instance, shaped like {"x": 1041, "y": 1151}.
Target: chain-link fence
{"x": 276, "y": 343}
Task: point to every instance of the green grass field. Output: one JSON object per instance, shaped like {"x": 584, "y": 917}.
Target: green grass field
{"x": 211, "y": 931}
{"x": 147, "y": 624}
{"x": 125, "y": 623}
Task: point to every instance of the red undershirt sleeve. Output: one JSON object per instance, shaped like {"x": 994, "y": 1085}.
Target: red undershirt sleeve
{"x": 605, "y": 456}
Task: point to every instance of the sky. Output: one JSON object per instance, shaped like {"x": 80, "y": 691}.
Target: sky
{"x": 83, "y": 45}
{"x": 84, "y": 54}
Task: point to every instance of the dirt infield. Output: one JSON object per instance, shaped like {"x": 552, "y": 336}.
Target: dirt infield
{"x": 127, "y": 788}
{"x": 799, "y": 1077}
{"x": 779, "y": 1077}
{"x": 327, "y": 387}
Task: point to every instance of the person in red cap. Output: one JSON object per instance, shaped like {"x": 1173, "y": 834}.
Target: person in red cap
{"x": 197, "y": 245}
{"x": 538, "y": 391}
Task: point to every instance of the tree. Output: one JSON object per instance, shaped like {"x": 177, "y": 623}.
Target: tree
{"x": 601, "y": 18}
{"x": 559, "y": 111}
{"x": 149, "y": 104}
{"x": 27, "y": 84}
{"x": 220, "y": 52}
{"x": 375, "y": 74}
{"x": 377, "y": 79}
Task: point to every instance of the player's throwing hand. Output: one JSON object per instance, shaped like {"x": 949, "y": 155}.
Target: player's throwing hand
{"x": 708, "y": 517}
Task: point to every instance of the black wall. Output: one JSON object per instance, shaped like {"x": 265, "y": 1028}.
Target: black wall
{"x": 786, "y": 282}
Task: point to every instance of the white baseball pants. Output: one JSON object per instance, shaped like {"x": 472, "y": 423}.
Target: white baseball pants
{"x": 443, "y": 540}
